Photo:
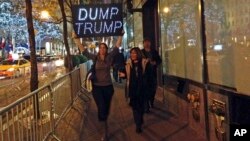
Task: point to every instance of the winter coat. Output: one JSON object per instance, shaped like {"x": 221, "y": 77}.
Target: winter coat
{"x": 153, "y": 55}
{"x": 140, "y": 90}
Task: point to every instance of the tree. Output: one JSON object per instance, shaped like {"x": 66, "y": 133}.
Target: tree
{"x": 65, "y": 34}
{"x": 13, "y": 25}
{"x": 34, "y": 71}
{"x": 51, "y": 7}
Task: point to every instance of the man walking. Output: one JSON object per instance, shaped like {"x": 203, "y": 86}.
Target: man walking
{"x": 154, "y": 58}
{"x": 118, "y": 65}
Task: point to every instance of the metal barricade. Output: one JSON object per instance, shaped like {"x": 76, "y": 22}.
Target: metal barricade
{"x": 35, "y": 116}
{"x": 11, "y": 90}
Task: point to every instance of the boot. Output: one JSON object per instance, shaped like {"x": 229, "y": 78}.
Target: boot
{"x": 151, "y": 103}
{"x": 138, "y": 129}
{"x": 105, "y": 136}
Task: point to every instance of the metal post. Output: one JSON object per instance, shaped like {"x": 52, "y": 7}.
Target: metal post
{"x": 205, "y": 65}
{"x": 1, "y": 128}
{"x": 36, "y": 107}
{"x": 52, "y": 113}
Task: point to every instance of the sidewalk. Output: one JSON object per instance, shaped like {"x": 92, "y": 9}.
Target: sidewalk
{"x": 159, "y": 124}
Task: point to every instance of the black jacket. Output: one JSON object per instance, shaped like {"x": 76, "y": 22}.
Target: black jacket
{"x": 137, "y": 87}
{"x": 153, "y": 55}
{"x": 119, "y": 60}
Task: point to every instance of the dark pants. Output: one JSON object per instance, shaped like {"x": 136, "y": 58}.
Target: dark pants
{"x": 102, "y": 96}
{"x": 152, "y": 92}
{"x": 115, "y": 73}
{"x": 138, "y": 110}
{"x": 138, "y": 117}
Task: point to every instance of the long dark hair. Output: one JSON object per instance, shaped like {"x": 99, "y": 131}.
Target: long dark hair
{"x": 138, "y": 52}
{"x": 106, "y": 46}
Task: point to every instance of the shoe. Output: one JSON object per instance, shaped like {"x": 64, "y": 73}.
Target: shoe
{"x": 105, "y": 135}
{"x": 151, "y": 105}
{"x": 147, "y": 111}
{"x": 138, "y": 130}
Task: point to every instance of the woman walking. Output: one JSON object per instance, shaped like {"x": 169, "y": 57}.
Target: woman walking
{"x": 137, "y": 75}
{"x": 102, "y": 85}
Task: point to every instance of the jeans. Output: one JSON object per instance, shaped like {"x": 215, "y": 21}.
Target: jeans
{"x": 115, "y": 73}
{"x": 103, "y": 96}
{"x": 116, "y": 70}
{"x": 153, "y": 92}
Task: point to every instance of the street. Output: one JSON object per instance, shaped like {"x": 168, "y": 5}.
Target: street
{"x": 8, "y": 82}
{"x": 14, "y": 88}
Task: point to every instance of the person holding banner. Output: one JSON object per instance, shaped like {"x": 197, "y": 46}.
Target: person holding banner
{"x": 102, "y": 85}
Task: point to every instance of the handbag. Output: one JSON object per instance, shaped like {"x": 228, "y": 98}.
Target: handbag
{"x": 88, "y": 82}
{"x": 90, "y": 77}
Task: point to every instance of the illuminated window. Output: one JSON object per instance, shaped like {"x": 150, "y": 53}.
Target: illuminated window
{"x": 181, "y": 47}
{"x": 228, "y": 61}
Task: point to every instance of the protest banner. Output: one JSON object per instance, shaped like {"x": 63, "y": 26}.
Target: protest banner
{"x": 98, "y": 20}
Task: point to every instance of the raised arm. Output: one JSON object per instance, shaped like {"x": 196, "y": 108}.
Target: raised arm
{"x": 119, "y": 42}
{"x": 78, "y": 42}
{"x": 81, "y": 47}
{"x": 116, "y": 48}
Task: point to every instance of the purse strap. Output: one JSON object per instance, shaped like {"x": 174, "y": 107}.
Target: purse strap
{"x": 93, "y": 65}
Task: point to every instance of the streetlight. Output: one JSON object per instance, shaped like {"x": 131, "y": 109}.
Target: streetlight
{"x": 44, "y": 14}
{"x": 165, "y": 9}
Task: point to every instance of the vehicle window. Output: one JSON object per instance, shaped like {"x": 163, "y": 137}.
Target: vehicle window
{"x": 9, "y": 62}
{"x": 15, "y": 62}
{"x": 22, "y": 62}
{"x": 6, "y": 62}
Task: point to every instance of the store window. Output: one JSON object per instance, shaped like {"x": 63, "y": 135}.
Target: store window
{"x": 134, "y": 27}
{"x": 180, "y": 38}
{"x": 228, "y": 47}
{"x": 130, "y": 31}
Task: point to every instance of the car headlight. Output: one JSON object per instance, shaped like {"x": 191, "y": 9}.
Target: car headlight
{"x": 45, "y": 64}
{"x": 10, "y": 69}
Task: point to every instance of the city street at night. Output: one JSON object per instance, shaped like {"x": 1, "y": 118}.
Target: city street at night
{"x": 124, "y": 70}
{"x": 12, "y": 89}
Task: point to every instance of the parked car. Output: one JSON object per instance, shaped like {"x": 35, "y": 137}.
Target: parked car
{"x": 14, "y": 68}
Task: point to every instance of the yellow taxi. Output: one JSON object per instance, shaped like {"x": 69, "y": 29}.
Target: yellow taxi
{"x": 14, "y": 68}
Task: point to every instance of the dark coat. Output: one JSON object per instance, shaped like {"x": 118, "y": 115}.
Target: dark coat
{"x": 137, "y": 86}
{"x": 119, "y": 60}
{"x": 154, "y": 56}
